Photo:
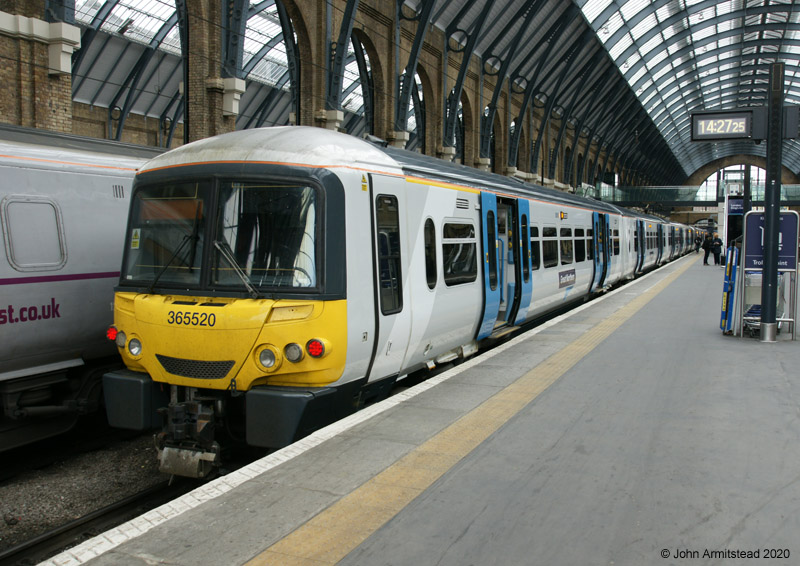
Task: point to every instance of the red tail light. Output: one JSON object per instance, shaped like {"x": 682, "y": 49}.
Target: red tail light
{"x": 315, "y": 348}
{"x": 111, "y": 333}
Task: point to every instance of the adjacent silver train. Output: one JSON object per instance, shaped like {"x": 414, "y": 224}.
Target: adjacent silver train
{"x": 274, "y": 279}
{"x": 63, "y": 206}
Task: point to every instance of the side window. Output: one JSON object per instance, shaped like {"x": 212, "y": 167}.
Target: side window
{"x": 550, "y": 246}
{"x": 589, "y": 245}
{"x": 389, "y": 275}
{"x": 566, "y": 246}
{"x": 459, "y": 248}
{"x": 430, "y": 253}
{"x": 526, "y": 270}
{"x": 33, "y": 231}
{"x": 491, "y": 253}
{"x": 616, "y": 242}
{"x": 580, "y": 245}
{"x": 535, "y": 254}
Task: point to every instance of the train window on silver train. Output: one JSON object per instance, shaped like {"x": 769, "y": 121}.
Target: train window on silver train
{"x": 589, "y": 245}
{"x": 526, "y": 270}
{"x": 580, "y": 245}
{"x": 430, "y": 253}
{"x": 33, "y": 233}
{"x": 389, "y": 273}
{"x": 549, "y": 246}
{"x": 616, "y": 242}
{"x": 535, "y": 253}
{"x": 459, "y": 247}
{"x": 567, "y": 254}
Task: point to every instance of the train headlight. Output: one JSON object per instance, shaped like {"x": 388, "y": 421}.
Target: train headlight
{"x": 315, "y": 348}
{"x": 135, "y": 347}
{"x": 111, "y": 333}
{"x": 268, "y": 357}
{"x": 121, "y": 339}
{"x": 293, "y": 352}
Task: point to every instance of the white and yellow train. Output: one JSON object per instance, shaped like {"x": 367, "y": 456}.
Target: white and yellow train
{"x": 273, "y": 279}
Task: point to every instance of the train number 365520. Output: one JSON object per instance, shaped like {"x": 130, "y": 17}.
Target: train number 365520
{"x": 191, "y": 318}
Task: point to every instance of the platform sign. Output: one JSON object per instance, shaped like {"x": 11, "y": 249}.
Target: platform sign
{"x": 735, "y": 205}
{"x": 787, "y": 241}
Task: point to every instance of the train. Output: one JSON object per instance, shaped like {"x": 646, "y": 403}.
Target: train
{"x": 274, "y": 280}
{"x": 64, "y": 203}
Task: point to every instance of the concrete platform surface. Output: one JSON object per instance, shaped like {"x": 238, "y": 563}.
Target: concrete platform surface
{"x": 629, "y": 431}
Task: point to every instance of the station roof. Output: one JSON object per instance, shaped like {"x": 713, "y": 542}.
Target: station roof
{"x": 627, "y": 73}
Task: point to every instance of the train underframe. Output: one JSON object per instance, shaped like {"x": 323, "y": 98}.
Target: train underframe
{"x": 197, "y": 423}
{"x": 38, "y": 407}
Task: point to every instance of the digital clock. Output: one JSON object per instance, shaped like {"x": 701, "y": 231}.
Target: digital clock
{"x": 722, "y": 125}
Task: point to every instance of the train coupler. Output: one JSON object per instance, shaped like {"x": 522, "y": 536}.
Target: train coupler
{"x": 186, "y": 446}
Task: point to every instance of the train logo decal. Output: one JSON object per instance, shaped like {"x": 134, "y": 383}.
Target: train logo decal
{"x": 566, "y": 278}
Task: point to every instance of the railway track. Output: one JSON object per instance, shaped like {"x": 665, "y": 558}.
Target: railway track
{"x": 70, "y": 534}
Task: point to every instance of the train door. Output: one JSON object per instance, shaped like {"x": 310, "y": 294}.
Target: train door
{"x": 491, "y": 272}
{"x": 659, "y": 243}
{"x": 507, "y": 239}
{"x": 524, "y": 262}
{"x": 602, "y": 245}
{"x": 640, "y": 245}
{"x": 390, "y": 256}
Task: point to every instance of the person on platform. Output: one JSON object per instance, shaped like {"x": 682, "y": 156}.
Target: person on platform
{"x": 716, "y": 249}
{"x": 698, "y": 241}
{"x": 706, "y": 248}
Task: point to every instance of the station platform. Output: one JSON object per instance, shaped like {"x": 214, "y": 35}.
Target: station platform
{"x": 629, "y": 431}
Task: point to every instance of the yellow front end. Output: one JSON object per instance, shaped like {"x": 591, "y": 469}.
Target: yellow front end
{"x": 232, "y": 343}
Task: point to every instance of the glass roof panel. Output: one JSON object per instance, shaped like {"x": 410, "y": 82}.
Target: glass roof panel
{"x": 593, "y": 8}
{"x": 137, "y": 20}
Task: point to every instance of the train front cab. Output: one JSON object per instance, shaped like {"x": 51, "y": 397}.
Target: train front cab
{"x": 224, "y": 329}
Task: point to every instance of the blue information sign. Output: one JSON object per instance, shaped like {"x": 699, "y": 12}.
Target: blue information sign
{"x": 754, "y": 241}
{"x": 735, "y": 205}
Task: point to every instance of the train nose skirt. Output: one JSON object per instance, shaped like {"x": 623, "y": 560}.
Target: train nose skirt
{"x": 197, "y": 369}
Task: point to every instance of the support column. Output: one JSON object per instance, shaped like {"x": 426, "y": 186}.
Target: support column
{"x": 39, "y": 54}
{"x": 207, "y": 92}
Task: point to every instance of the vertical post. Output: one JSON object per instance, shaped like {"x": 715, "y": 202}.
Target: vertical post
{"x": 772, "y": 195}
{"x": 747, "y": 191}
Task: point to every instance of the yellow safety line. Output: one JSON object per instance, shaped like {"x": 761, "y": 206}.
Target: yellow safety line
{"x": 335, "y": 532}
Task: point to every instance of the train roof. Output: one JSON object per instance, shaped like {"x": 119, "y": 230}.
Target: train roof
{"x": 419, "y": 165}
{"x": 317, "y": 147}
{"x": 69, "y": 142}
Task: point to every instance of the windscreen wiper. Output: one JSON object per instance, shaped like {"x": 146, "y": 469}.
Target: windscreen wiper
{"x": 194, "y": 237}
{"x": 225, "y": 252}
{"x": 183, "y": 243}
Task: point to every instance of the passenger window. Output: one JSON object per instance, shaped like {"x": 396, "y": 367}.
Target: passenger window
{"x": 459, "y": 248}
{"x": 430, "y": 253}
{"x": 34, "y": 234}
{"x": 549, "y": 246}
{"x": 616, "y": 242}
{"x": 389, "y": 275}
{"x": 491, "y": 252}
{"x": 580, "y": 245}
{"x": 526, "y": 270}
{"x": 589, "y": 245}
{"x": 566, "y": 246}
{"x": 535, "y": 254}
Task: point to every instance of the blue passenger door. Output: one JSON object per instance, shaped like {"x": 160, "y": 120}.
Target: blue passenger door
{"x": 491, "y": 283}
{"x": 659, "y": 243}
{"x": 640, "y": 245}
{"x": 526, "y": 282}
{"x": 601, "y": 248}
